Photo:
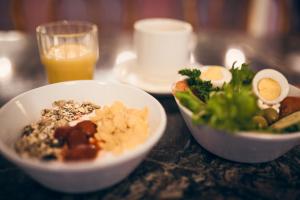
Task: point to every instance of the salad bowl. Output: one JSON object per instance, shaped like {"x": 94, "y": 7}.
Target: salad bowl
{"x": 244, "y": 147}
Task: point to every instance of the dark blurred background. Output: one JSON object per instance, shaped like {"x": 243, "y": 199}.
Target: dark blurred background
{"x": 256, "y": 17}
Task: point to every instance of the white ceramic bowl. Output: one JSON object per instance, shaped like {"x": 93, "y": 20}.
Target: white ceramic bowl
{"x": 81, "y": 176}
{"x": 246, "y": 147}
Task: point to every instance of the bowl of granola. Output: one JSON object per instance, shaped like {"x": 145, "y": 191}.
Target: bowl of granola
{"x": 80, "y": 136}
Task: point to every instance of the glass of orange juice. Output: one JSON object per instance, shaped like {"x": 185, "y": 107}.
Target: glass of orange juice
{"x": 68, "y": 50}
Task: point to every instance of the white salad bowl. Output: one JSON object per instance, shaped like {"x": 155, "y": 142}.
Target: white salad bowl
{"x": 84, "y": 176}
{"x": 245, "y": 147}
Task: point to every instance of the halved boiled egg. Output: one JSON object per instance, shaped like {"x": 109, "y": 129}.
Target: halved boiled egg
{"x": 218, "y": 75}
{"x": 270, "y": 86}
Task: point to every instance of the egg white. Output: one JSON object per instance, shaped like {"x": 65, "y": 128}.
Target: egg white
{"x": 263, "y": 105}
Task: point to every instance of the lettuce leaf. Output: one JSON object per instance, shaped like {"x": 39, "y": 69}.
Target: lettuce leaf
{"x": 230, "y": 110}
{"x": 241, "y": 77}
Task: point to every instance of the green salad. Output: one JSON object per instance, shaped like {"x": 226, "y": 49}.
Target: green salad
{"x": 231, "y": 107}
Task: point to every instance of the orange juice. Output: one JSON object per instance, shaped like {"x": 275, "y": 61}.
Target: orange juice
{"x": 69, "y": 62}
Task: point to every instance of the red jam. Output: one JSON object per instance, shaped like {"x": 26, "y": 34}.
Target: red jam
{"x": 76, "y": 140}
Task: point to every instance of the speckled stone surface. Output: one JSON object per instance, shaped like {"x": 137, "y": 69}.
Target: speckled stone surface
{"x": 177, "y": 168}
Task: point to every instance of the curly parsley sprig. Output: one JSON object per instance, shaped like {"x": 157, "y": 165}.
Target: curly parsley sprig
{"x": 199, "y": 87}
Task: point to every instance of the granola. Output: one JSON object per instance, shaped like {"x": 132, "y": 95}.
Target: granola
{"x": 37, "y": 140}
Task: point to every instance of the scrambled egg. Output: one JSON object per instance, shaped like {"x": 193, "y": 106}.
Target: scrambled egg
{"x": 120, "y": 128}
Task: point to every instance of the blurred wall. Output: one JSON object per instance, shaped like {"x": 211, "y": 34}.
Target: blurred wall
{"x": 253, "y": 16}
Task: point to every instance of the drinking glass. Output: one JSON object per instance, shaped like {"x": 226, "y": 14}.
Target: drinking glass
{"x": 68, "y": 50}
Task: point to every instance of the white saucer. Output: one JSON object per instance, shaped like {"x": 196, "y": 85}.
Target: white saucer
{"x": 127, "y": 72}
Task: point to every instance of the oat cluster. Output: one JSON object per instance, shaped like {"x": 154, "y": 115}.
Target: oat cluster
{"x": 38, "y": 140}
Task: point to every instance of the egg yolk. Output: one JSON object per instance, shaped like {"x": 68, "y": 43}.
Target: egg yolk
{"x": 212, "y": 73}
{"x": 269, "y": 89}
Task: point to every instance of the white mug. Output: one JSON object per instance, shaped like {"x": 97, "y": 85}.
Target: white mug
{"x": 162, "y": 47}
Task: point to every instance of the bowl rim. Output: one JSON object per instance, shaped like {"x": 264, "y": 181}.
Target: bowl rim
{"x": 263, "y": 136}
{"x": 95, "y": 164}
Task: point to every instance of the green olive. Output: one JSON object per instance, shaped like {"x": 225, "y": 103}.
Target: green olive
{"x": 271, "y": 115}
{"x": 260, "y": 121}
